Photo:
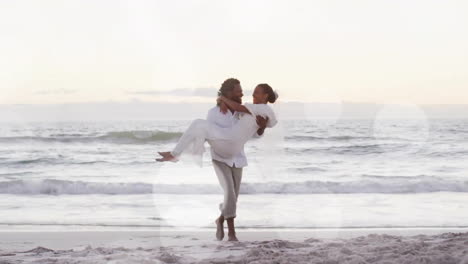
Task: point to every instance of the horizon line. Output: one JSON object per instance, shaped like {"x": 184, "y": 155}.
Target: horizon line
{"x": 200, "y": 103}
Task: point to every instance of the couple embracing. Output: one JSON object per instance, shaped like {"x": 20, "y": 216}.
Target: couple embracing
{"x": 228, "y": 126}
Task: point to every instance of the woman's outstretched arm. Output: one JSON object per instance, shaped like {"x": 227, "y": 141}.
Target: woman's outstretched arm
{"x": 234, "y": 105}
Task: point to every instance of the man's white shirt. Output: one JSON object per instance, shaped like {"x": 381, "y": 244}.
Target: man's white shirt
{"x": 227, "y": 120}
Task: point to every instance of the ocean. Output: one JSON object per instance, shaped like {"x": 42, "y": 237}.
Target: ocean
{"x": 303, "y": 174}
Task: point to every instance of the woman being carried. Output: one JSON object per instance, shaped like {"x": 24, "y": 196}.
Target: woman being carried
{"x": 226, "y": 142}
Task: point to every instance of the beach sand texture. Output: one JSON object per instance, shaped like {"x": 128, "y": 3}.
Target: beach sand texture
{"x": 345, "y": 246}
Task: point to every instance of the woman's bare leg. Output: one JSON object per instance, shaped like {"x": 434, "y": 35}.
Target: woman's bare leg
{"x": 196, "y": 133}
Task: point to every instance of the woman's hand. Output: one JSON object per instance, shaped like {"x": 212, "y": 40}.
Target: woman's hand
{"x": 262, "y": 124}
{"x": 222, "y": 106}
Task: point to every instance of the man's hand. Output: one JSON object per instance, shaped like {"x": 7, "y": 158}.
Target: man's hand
{"x": 262, "y": 123}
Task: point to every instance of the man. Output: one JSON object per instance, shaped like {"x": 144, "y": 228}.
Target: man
{"x": 229, "y": 171}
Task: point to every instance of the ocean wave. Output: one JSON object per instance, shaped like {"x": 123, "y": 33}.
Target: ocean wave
{"x": 445, "y": 154}
{"x": 344, "y": 150}
{"x": 383, "y": 185}
{"x": 32, "y": 161}
{"x": 332, "y": 138}
{"x": 340, "y": 138}
{"x": 57, "y": 187}
{"x": 123, "y": 137}
{"x": 65, "y": 161}
{"x": 307, "y": 169}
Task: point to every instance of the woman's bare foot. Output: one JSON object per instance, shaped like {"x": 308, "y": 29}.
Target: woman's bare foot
{"x": 164, "y": 153}
{"x": 167, "y": 156}
{"x": 219, "y": 228}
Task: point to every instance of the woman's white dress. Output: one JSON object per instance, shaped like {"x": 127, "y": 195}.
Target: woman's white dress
{"x": 226, "y": 142}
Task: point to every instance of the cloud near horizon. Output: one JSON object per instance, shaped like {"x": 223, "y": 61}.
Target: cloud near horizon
{"x": 56, "y": 91}
{"x": 184, "y": 92}
{"x": 199, "y": 92}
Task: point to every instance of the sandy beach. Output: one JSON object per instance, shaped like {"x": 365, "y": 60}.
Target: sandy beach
{"x": 424, "y": 245}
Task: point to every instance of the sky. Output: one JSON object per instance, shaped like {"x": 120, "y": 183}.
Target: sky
{"x": 372, "y": 51}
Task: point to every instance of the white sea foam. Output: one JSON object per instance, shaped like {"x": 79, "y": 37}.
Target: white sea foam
{"x": 128, "y": 137}
{"x": 390, "y": 185}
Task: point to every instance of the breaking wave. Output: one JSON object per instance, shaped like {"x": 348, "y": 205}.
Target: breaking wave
{"x": 119, "y": 137}
{"x": 369, "y": 185}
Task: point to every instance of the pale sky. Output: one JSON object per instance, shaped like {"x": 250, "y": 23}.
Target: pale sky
{"x": 395, "y": 51}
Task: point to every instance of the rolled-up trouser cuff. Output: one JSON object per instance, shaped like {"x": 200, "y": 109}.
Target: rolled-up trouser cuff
{"x": 228, "y": 217}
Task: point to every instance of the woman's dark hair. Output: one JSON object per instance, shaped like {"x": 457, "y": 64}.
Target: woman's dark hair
{"x": 272, "y": 95}
{"x": 227, "y": 86}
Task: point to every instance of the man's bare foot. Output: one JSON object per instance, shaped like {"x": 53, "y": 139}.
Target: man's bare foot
{"x": 167, "y": 156}
{"x": 232, "y": 238}
{"x": 219, "y": 229}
